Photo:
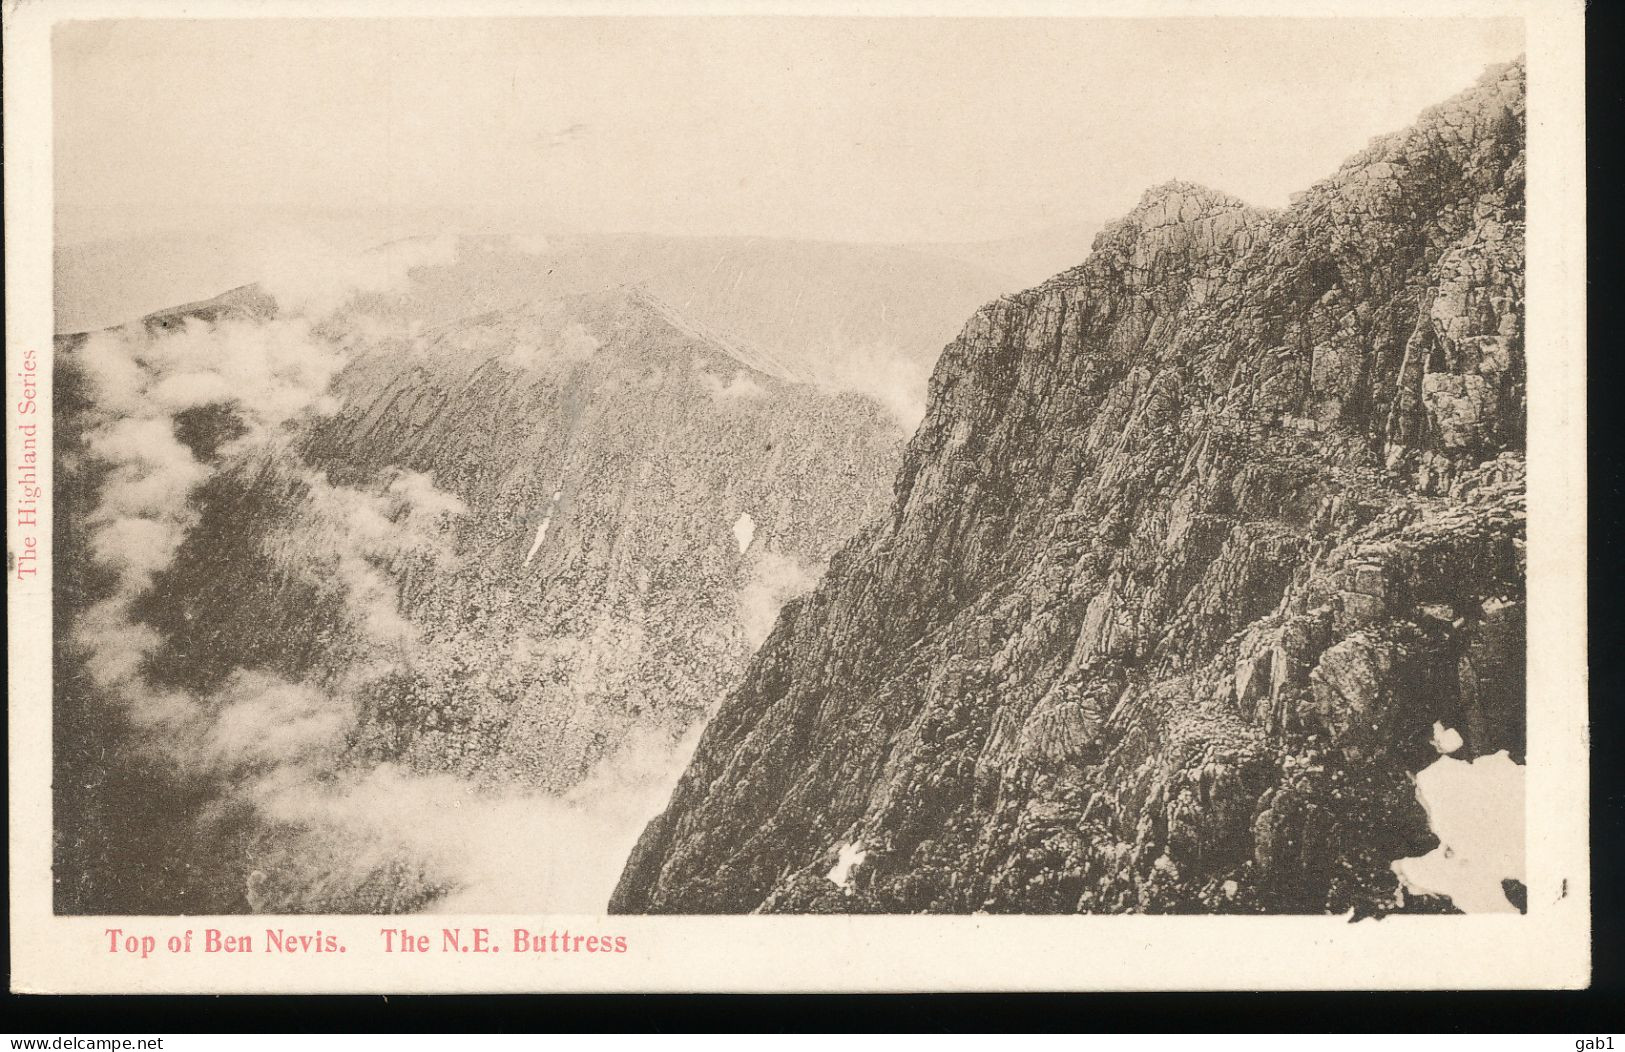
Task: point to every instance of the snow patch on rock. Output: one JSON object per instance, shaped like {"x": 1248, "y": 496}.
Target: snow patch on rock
{"x": 1446, "y": 739}
{"x": 1475, "y": 808}
{"x": 849, "y": 857}
{"x": 541, "y": 531}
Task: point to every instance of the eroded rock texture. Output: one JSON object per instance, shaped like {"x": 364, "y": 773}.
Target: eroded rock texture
{"x": 1195, "y": 543}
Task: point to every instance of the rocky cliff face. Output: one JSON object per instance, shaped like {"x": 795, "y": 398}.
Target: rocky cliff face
{"x": 1195, "y": 544}
{"x": 506, "y": 552}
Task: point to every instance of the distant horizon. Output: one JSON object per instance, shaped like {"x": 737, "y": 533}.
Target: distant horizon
{"x": 111, "y": 281}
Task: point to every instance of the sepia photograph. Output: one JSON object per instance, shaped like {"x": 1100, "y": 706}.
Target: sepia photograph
{"x": 624, "y": 466}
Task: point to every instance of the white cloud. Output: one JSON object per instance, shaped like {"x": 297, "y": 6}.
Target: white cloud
{"x": 265, "y": 722}
{"x": 422, "y": 498}
{"x": 744, "y": 531}
{"x": 280, "y": 746}
{"x": 740, "y": 387}
{"x": 568, "y": 343}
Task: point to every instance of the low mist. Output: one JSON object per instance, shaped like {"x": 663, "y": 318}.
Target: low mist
{"x": 331, "y": 826}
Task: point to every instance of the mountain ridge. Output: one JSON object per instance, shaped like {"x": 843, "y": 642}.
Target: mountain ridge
{"x": 486, "y": 578}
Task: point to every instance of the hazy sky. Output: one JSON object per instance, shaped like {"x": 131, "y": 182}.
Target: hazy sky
{"x": 845, "y": 129}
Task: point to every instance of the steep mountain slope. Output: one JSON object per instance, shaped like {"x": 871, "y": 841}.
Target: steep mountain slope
{"x": 489, "y": 579}
{"x": 1195, "y": 544}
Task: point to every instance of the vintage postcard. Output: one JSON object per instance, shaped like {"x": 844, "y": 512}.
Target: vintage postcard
{"x": 900, "y": 496}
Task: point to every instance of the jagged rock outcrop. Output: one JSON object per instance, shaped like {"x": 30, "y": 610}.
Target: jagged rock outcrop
{"x": 1195, "y": 543}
